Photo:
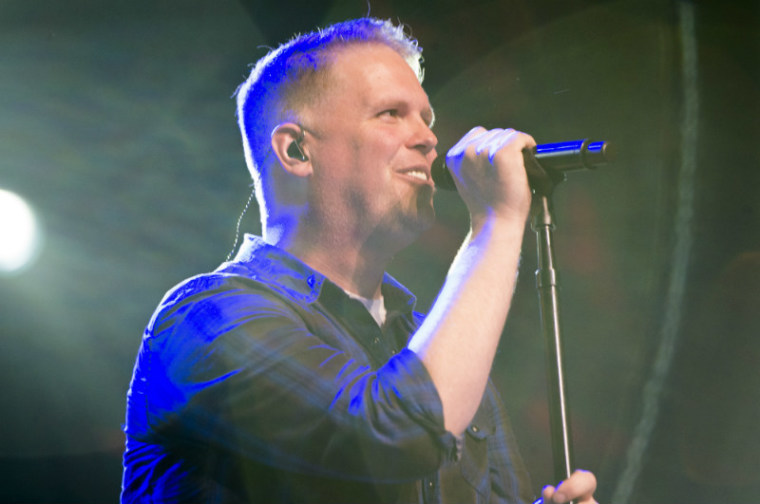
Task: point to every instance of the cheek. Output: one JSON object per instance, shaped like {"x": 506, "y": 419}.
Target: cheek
{"x": 372, "y": 162}
{"x": 363, "y": 161}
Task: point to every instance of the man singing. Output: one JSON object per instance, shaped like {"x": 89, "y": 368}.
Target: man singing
{"x": 299, "y": 371}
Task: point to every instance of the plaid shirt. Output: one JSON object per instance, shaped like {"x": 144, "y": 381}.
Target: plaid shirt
{"x": 264, "y": 382}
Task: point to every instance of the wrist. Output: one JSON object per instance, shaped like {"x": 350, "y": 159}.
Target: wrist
{"x": 509, "y": 221}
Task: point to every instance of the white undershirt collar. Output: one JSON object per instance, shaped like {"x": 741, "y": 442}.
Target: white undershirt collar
{"x": 375, "y": 307}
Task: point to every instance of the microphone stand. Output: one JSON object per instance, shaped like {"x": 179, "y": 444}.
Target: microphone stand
{"x": 555, "y": 160}
{"x": 542, "y": 222}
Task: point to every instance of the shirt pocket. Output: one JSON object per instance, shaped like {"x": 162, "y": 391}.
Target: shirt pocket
{"x": 468, "y": 480}
{"x": 474, "y": 463}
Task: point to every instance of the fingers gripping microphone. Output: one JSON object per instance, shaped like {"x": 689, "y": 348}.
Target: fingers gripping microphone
{"x": 546, "y": 164}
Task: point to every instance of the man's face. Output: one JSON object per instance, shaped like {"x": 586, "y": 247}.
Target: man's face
{"x": 372, "y": 146}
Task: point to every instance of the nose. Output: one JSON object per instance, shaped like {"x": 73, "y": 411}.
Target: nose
{"x": 423, "y": 137}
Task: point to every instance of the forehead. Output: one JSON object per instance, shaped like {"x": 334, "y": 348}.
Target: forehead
{"x": 370, "y": 54}
{"x": 374, "y": 71}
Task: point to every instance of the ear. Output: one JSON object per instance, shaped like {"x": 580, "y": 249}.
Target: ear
{"x": 288, "y": 146}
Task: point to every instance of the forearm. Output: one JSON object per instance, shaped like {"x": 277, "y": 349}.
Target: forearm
{"x": 458, "y": 340}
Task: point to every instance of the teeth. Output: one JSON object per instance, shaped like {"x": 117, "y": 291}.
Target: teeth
{"x": 417, "y": 174}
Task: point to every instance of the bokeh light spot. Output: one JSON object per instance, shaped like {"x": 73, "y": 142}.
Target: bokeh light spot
{"x": 19, "y": 233}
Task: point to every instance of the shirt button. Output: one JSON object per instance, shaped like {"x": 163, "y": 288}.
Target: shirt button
{"x": 475, "y": 428}
{"x": 431, "y": 484}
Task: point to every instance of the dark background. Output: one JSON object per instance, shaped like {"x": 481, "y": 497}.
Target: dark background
{"x": 117, "y": 124}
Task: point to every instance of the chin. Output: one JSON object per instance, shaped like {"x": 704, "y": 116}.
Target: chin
{"x": 419, "y": 220}
{"x": 425, "y": 208}
{"x": 405, "y": 221}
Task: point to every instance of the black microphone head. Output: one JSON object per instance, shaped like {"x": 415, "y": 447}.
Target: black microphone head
{"x": 442, "y": 176}
{"x": 600, "y": 153}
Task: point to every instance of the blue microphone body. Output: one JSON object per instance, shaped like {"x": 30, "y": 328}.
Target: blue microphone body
{"x": 552, "y": 159}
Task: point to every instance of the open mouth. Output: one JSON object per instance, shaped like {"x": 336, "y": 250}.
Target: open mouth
{"x": 417, "y": 174}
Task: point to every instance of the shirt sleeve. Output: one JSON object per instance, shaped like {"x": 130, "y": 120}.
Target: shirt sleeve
{"x": 240, "y": 370}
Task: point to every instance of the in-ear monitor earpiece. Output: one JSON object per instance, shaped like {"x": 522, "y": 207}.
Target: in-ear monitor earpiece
{"x": 295, "y": 151}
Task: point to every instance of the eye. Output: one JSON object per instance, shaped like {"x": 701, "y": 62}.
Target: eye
{"x": 389, "y": 113}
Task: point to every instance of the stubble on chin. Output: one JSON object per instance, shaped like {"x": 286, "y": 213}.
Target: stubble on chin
{"x": 425, "y": 207}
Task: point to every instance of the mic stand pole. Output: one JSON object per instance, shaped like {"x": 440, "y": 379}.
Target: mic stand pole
{"x": 542, "y": 223}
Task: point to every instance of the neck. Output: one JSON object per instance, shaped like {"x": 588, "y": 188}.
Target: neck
{"x": 352, "y": 261}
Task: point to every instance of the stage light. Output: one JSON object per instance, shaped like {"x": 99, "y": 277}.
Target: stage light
{"x": 19, "y": 233}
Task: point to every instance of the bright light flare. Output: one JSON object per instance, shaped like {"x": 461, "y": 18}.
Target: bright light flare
{"x": 19, "y": 235}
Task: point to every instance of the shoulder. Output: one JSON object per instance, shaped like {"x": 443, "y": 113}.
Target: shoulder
{"x": 213, "y": 303}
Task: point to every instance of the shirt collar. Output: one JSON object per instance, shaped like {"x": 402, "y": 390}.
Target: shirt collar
{"x": 259, "y": 260}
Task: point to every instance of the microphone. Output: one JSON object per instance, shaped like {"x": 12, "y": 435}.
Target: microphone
{"x": 545, "y": 163}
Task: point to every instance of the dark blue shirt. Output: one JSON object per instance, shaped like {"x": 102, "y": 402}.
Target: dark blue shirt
{"x": 264, "y": 382}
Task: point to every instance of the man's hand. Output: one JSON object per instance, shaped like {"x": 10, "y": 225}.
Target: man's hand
{"x": 489, "y": 171}
{"x": 579, "y": 487}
